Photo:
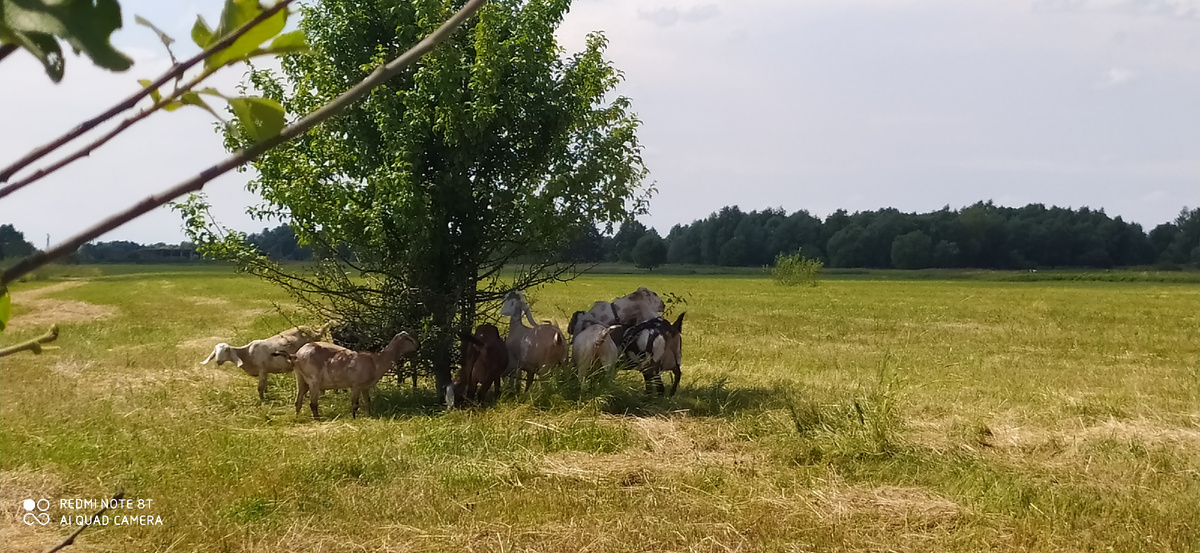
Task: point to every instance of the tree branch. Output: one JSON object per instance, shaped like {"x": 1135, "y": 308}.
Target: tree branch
{"x": 34, "y": 345}
{"x": 128, "y": 103}
{"x": 71, "y": 539}
{"x": 378, "y": 76}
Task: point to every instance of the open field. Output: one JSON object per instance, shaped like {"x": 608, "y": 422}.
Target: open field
{"x": 930, "y": 415}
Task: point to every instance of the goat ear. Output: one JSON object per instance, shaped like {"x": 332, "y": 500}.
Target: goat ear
{"x": 678, "y": 324}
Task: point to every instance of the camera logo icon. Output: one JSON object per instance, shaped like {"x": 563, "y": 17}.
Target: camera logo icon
{"x": 35, "y": 511}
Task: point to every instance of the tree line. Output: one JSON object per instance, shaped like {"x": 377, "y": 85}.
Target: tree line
{"x": 278, "y": 243}
{"x": 982, "y": 235}
{"x": 979, "y": 236}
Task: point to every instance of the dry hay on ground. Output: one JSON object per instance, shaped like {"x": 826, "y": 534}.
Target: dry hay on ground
{"x": 892, "y": 506}
{"x": 35, "y": 310}
{"x": 670, "y": 450}
{"x": 1011, "y": 437}
{"x": 15, "y": 487}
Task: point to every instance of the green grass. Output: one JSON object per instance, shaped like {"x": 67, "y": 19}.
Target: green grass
{"x": 965, "y": 414}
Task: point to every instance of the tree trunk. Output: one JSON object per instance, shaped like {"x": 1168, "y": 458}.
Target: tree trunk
{"x": 442, "y": 342}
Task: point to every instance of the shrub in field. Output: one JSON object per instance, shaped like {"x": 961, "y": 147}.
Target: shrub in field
{"x": 795, "y": 269}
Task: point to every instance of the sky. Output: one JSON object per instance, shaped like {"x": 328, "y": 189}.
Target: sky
{"x": 817, "y": 105}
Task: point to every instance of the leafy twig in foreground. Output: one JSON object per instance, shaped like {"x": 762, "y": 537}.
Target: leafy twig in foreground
{"x": 337, "y": 105}
{"x": 34, "y": 345}
{"x": 128, "y": 103}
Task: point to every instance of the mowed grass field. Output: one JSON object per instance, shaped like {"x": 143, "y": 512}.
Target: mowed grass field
{"x": 855, "y": 416}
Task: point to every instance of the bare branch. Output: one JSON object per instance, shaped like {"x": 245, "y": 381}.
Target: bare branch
{"x": 196, "y": 183}
{"x": 71, "y": 540}
{"x": 91, "y": 146}
{"x": 128, "y": 103}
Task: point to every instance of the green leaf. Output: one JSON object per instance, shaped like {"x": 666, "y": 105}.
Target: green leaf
{"x": 5, "y": 310}
{"x": 202, "y": 34}
{"x": 166, "y": 39}
{"x": 154, "y": 94}
{"x": 43, "y": 47}
{"x": 193, "y": 99}
{"x": 236, "y": 14}
{"x": 289, "y": 43}
{"x": 261, "y": 117}
{"x": 162, "y": 36}
{"x": 86, "y": 25}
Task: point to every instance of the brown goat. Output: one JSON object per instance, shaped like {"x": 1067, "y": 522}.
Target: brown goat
{"x": 261, "y": 358}
{"x": 324, "y": 366}
{"x": 530, "y": 349}
{"x": 485, "y": 361}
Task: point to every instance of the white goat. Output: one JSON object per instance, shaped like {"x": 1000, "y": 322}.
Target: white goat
{"x": 259, "y": 359}
{"x": 637, "y": 307}
{"x": 324, "y": 366}
{"x": 595, "y": 346}
{"x": 530, "y": 349}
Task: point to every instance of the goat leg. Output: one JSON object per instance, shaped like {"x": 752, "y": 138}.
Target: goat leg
{"x": 366, "y": 395}
{"x": 262, "y": 385}
{"x": 301, "y": 391}
{"x": 313, "y": 394}
{"x": 675, "y": 385}
{"x": 354, "y": 394}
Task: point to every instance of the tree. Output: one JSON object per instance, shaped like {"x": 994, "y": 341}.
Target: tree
{"x": 280, "y": 244}
{"x": 13, "y": 243}
{"x": 626, "y": 239}
{"x": 1185, "y": 248}
{"x": 684, "y": 244}
{"x": 650, "y": 251}
{"x": 494, "y": 149}
{"x": 912, "y": 250}
{"x": 945, "y": 254}
{"x": 586, "y": 247}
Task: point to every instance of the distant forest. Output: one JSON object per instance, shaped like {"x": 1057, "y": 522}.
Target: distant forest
{"x": 983, "y": 236}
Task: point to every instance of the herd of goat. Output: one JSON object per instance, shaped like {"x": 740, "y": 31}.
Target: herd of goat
{"x": 628, "y": 332}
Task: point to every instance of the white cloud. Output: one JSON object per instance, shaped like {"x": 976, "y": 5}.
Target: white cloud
{"x": 666, "y": 17}
{"x": 1115, "y": 76}
{"x": 1174, "y": 9}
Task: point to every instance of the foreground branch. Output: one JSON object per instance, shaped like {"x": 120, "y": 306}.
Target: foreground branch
{"x": 71, "y": 540}
{"x": 34, "y": 345}
{"x": 128, "y": 103}
{"x": 120, "y": 128}
{"x": 377, "y": 77}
